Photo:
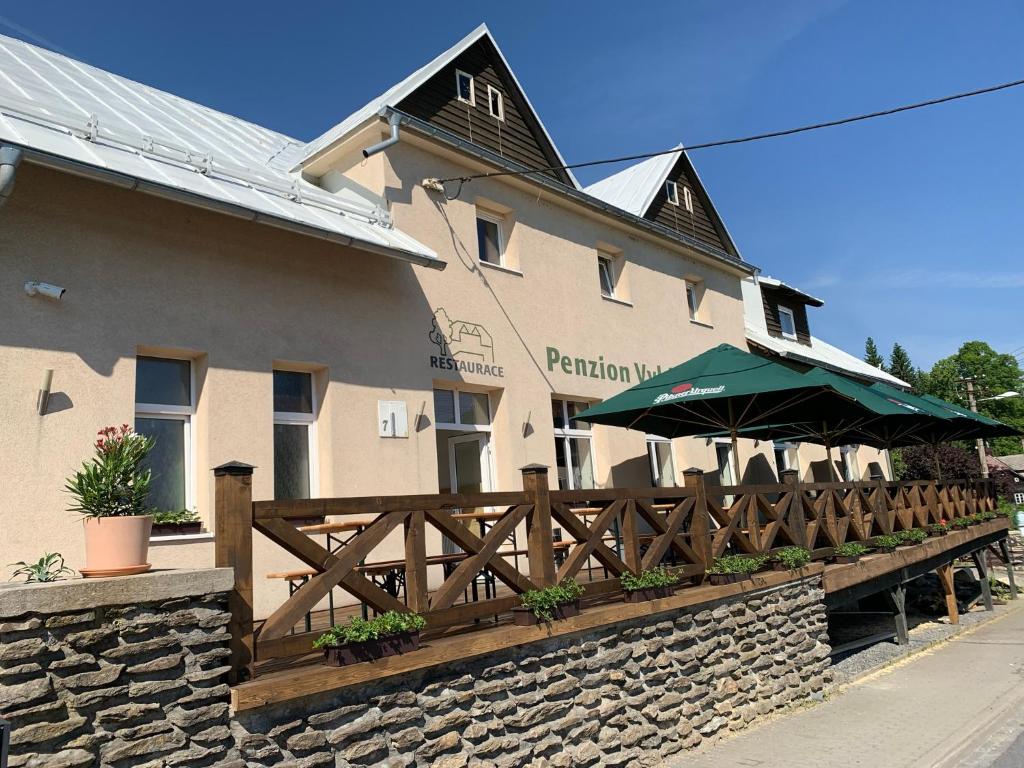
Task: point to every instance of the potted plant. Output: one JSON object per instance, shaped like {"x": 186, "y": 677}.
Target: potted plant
{"x": 911, "y": 537}
{"x": 939, "y": 529}
{"x": 650, "y": 584}
{"x": 559, "y": 601}
{"x": 366, "y": 640}
{"x": 110, "y": 491}
{"x": 961, "y": 523}
{"x": 180, "y": 523}
{"x": 49, "y": 567}
{"x": 729, "y": 569}
{"x": 987, "y": 515}
{"x": 850, "y": 552}
{"x": 886, "y": 543}
{"x": 790, "y": 558}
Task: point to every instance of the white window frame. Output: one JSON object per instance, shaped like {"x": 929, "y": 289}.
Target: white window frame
{"x": 606, "y": 264}
{"x": 849, "y": 456}
{"x": 692, "y": 308}
{"x": 308, "y": 419}
{"x": 498, "y": 222}
{"x": 472, "y": 88}
{"x": 786, "y": 448}
{"x": 457, "y": 425}
{"x": 1018, "y": 498}
{"x": 672, "y": 193}
{"x": 733, "y": 469}
{"x": 183, "y": 413}
{"x": 491, "y": 92}
{"x": 566, "y": 433}
{"x": 792, "y": 319}
{"x": 687, "y": 200}
{"x": 653, "y": 440}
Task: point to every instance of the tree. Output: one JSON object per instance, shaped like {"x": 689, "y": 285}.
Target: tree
{"x": 900, "y": 365}
{"x": 956, "y": 463}
{"x": 871, "y": 354}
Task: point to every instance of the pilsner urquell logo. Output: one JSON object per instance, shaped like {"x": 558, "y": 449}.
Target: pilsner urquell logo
{"x": 688, "y": 390}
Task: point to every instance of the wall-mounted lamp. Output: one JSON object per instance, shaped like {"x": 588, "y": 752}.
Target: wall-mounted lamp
{"x": 34, "y": 288}
{"x": 43, "y": 398}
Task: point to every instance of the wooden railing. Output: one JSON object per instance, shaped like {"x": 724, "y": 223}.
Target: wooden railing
{"x": 617, "y": 530}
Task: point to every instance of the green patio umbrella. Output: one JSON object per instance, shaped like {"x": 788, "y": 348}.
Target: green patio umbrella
{"x": 724, "y": 389}
{"x": 983, "y": 425}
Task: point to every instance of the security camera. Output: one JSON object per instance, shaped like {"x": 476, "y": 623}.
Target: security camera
{"x": 54, "y": 292}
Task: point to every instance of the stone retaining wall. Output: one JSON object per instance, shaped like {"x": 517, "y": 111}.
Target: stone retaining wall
{"x": 626, "y": 695}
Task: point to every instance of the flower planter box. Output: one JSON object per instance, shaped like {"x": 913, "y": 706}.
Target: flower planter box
{"x": 720, "y": 579}
{"x": 524, "y": 617}
{"x": 176, "y": 529}
{"x": 845, "y": 559}
{"x": 938, "y": 533}
{"x": 353, "y": 653}
{"x": 651, "y": 593}
{"x": 887, "y": 550}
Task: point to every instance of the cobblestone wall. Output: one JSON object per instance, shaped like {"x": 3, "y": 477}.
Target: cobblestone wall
{"x": 628, "y": 695}
{"x": 138, "y": 684}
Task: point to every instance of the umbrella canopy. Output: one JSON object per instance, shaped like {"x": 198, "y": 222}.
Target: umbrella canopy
{"x": 983, "y": 425}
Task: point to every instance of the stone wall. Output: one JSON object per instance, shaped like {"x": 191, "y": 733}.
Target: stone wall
{"x": 625, "y": 695}
{"x": 117, "y": 672}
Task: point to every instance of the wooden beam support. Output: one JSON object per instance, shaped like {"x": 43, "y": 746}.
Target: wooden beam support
{"x": 1004, "y": 549}
{"x": 978, "y": 556}
{"x": 896, "y": 596}
{"x": 539, "y": 541}
{"x": 232, "y": 521}
{"x": 945, "y": 574}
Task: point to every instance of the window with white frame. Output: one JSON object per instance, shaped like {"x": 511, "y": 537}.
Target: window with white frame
{"x": 465, "y": 89}
{"x": 495, "y": 103}
{"x": 1018, "y": 498}
{"x": 687, "y": 200}
{"x": 786, "y": 457}
{"x": 164, "y": 407}
{"x": 663, "y": 463}
{"x": 726, "y": 462}
{"x": 851, "y": 468}
{"x": 693, "y": 296}
{"x": 489, "y": 238}
{"x": 574, "y": 448}
{"x": 787, "y": 322}
{"x": 458, "y": 410}
{"x": 672, "y": 193}
{"x": 606, "y": 275}
{"x": 295, "y": 458}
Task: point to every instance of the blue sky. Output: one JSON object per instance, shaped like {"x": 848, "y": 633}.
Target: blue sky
{"x": 907, "y": 227}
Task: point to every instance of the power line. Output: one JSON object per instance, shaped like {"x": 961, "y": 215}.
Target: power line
{"x": 744, "y": 139}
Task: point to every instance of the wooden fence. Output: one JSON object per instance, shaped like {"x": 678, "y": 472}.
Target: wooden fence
{"x": 618, "y": 529}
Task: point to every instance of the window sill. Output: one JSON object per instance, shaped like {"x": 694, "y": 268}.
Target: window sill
{"x": 501, "y": 268}
{"x": 614, "y": 300}
{"x": 701, "y": 323}
{"x": 185, "y": 537}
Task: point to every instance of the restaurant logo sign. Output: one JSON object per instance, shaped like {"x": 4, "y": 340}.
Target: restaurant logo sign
{"x": 462, "y": 346}
{"x": 687, "y": 390}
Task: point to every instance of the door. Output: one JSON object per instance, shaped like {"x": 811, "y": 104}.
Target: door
{"x": 469, "y": 461}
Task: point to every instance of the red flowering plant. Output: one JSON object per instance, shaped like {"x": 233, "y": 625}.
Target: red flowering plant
{"x": 113, "y": 483}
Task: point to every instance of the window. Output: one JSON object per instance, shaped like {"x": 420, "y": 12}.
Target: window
{"x": 606, "y": 274}
{"x": 457, "y": 410}
{"x": 495, "y": 103}
{"x": 786, "y": 457}
{"x": 672, "y": 193}
{"x": 663, "y": 465}
{"x": 490, "y": 247}
{"x": 726, "y": 462}
{"x": 687, "y": 199}
{"x": 851, "y": 469}
{"x": 1018, "y": 498}
{"x": 692, "y": 299}
{"x": 163, "y": 410}
{"x": 294, "y": 435}
{"x": 787, "y": 322}
{"x": 574, "y": 451}
{"x": 464, "y": 87}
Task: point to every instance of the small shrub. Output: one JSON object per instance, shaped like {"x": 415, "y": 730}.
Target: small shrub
{"x": 850, "y": 549}
{"x": 913, "y": 536}
{"x": 648, "y": 579}
{"x": 359, "y": 630}
{"x": 738, "y": 563}
{"x": 792, "y": 557}
{"x": 886, "y": 541}
{"x": 49, "y": 567}
{"x": 542, "y": 602}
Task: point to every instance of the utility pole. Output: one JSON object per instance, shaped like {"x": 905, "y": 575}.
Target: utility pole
{"x": 981, "y": 443}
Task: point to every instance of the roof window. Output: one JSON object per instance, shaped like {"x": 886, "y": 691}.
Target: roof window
{"x": 464, "y": 87}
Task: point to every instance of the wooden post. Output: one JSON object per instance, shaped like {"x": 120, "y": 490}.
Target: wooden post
{"x": 539, "y": 544}
{"x": 631, "y": 537}
{"x": 897, "y": 597}
{"x": 416, "y": 562}
{"x": 795, "y": 515}
{"x": 1004, "y": 549}
{"x": 700, "y": 522}
{"x": 978, "y": 556}
{"x": 945, "y": 574}
{"x": 233, "y": 549}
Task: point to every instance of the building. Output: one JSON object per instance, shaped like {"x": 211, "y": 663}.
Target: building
{"x": 327, "y": 313}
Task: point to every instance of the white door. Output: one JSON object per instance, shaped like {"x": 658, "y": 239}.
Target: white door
{"x": 469, "y": 461}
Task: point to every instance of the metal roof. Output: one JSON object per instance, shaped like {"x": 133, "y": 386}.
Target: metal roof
{"x": 633, "y": 189}
{"x": 393, "y": 95}
{"x": 72, "y": 115}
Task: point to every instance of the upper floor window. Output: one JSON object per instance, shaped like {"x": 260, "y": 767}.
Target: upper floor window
{"x": 606, "y": 274}
{"x": 294, "y": 435}
{"x": 687, "y": 199}
{"x": 1018, "y": 498}
{"x": 787, "y": 322}
{"x": 164, "y": 408}
{"x": 495, "y": 103}
{"x": 489, "y": 238}
{"x": 692, "y": 299}
{"x": 464, "y": 87}
{"x": 672, "y": 192}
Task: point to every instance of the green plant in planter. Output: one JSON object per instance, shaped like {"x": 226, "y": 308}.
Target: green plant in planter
{"x": 360, "y": 630}
{"x": 938, "y": 528}
{"x": 175, "y": 517}
{"x": 113, "y": 483}
{"x": 738, "y": 563}
{"x": 976, "y": 518}
{"x": 49, "y": 567}
{"x": 792, "y": 557}
{"x": 960, "y": 523}
{"x": 648, "y": 579}
{"x": 913, "y": 536}
{"x": 988, "y": 514}
{"x": 886, "y": 541}
{"x": 850, "y": 549}
{"x": 542, "y": 602}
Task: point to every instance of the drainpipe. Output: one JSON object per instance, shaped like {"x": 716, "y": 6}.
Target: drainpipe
{"x": 9, "y": 159}
{"x": 394, "y": 121}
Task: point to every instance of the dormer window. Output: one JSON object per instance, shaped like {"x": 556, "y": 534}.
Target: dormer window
{"x": 787, "y": 323}
{"x": 464, "y": 87}
{"x": 495, "y": 103}
{"x": 672, "y": 193}
{"x": 687, "y": 199}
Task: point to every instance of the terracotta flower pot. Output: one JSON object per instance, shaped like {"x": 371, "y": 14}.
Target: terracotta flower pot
{"x": 116, "y": 546}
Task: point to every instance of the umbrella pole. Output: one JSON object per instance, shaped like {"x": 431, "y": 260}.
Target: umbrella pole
{"x": 938, "y": 466}
{"x": 828, "y": 455}
{"x": 736, "y": 457}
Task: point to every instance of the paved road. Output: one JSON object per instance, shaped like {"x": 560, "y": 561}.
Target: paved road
{"x": 960, "y": 705}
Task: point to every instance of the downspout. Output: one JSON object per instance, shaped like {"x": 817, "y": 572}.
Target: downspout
{"x": 9, "y": 159}
{"x": 394, "y": 121}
